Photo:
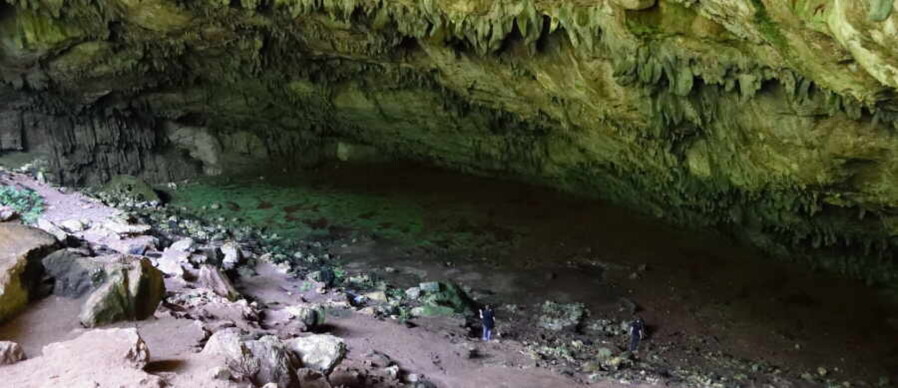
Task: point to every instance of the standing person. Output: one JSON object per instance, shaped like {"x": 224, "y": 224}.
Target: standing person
{"x": 488, "y": 321}
{"x": 637, "y": 333}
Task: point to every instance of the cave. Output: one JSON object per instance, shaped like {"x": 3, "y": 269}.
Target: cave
{"x": 349, "y": 193}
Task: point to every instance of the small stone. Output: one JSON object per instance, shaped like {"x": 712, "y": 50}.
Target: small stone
{"x": 822, "y": 371}
{"x": 390, "y": 270}
{"x": 215, "y": 206}
{"x": 392, "y": 371}
{"x": 10, "y": 353}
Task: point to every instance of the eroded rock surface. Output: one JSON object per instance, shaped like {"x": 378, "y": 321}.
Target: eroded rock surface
{"x": 21, "y": 249}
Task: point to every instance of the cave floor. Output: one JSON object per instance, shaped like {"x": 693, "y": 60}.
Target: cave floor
{"x": 707, "y": 300}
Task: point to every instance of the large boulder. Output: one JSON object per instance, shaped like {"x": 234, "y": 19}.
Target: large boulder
{"x": 263, "y": 361}
{"x": 321, "y": 352}
{"x": 132, "y": 290}
{"x": 213, "y": 278}
{"x": 97, "y": 358}
{"x": 73, "y": 273}
{"x": 21, "y": 249}
{"x": 443, "y": 299}
{"x": 10, "y": 353}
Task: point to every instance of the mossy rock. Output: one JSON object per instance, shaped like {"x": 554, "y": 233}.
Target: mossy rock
{"x": 449, "y": 297}
{"x": 130, "y": 188}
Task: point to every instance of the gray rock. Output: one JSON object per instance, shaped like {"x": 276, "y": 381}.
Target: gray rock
{"x": 413, "y": 293}
{"x": 132, "y": 291}
{"x": 10, "y": 353}
{"x": 21, "y": 249}
{"x": 311, "y": 317}
{"x": 321, "y": 352}
{"x": 73, "y": 274}
{"x": 429, "y": 286}
{"x": 213, "y": 279}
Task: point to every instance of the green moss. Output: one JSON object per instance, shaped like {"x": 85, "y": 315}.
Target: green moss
{"x": 26, "y": 202}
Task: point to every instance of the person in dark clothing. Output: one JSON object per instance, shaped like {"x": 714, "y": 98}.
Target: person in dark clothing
{"x": 488, "y": 320}
{"x": 637, "y": 333}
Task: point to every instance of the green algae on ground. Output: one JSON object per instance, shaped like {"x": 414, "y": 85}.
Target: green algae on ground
{"x": 303, "y": 207}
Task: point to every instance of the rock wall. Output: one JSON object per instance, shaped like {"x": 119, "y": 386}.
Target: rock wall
{"x": 772, "y": 120}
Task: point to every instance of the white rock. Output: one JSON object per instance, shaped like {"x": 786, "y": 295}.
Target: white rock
{"x": 10, "y": 353}
{"x": 7, "y": 214}
{"x": 232, "y": 255}
{"x": 184, "y": 245}
{"x": 73, "y": 226}
{"x": 172, "y": 262}
{"x": 320, "y": 352}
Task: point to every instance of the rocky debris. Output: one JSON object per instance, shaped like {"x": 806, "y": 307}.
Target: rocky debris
{"x": 132, "y": 290}
{"x": 8, "y": 214}
{"x": 558, "y": 316}
{"x": 129, "y": 189}
{"x": 125, "y": 227}
{"x": 319, "y": 351}
{"x": 21, "y": 249}
{"x": 97, "y": 358}
{"x": 214, "y": 279}
{"x": 73, "y": 273}
{"x": 10, "y": 353}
